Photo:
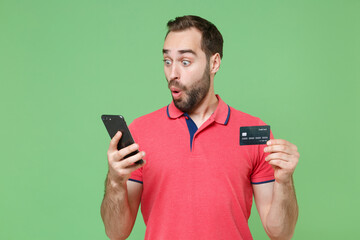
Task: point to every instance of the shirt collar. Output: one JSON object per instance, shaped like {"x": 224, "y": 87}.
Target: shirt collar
{"x": 221, "y": 114}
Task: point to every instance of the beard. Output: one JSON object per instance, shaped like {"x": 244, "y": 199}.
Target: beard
{"x": 193, "y": 94}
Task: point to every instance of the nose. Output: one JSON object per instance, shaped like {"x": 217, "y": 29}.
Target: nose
{"x": 174, "y": 72}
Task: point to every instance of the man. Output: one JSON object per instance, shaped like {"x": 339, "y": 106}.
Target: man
{"x": 198, "y": 181}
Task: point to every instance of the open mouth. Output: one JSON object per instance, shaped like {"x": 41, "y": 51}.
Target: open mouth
{"x": 176, "y": 93}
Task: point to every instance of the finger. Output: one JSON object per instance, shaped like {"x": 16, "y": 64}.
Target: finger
{"x": 114, "y": 141}
{"x": 136, "y": 166}
{"x": 281, "y": 142}
{"x": 129, "y": 161}
{"x": 288, "y": 165}
{"x": 278, "y": 163}
{"x": 277, "y": 142}
{"x": 279, "y": 148}
{"x": 279, "y": 156}
{"x": 127, "y": 150}
{"x": 131, "y": 168}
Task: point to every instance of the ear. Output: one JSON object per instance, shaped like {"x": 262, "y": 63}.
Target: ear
{"x": 215, "y": 62}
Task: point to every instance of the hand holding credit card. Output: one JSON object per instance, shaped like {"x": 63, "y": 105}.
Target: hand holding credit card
{"x": 254, "y": 135}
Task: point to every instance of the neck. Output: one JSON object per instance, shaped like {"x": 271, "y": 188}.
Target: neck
{"x": 205, "y": 108}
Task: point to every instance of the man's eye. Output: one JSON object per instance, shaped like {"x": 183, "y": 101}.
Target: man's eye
{"x": 167, "y": 62}
{"x": 186, "y": 62}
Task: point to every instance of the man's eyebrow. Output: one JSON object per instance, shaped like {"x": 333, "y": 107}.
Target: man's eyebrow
{"x": 187, "y": 51}
{"x": 166, "y": 51}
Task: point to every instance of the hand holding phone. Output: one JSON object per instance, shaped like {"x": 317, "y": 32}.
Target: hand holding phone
{"x": 115, "y": 123}
{"x": 123, "y": 154}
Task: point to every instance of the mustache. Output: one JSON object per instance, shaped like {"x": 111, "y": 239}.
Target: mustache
{"x": 175, "y": 83}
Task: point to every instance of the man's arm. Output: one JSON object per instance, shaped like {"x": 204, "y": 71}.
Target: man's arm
{"x": 122, "y": 197}
{"x": 276, "y": 201}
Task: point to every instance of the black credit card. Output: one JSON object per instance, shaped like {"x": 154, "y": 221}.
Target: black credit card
{"x": 254, "y": 135}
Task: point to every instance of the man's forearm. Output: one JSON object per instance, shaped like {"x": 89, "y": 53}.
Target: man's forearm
{"x": 283, "y": 213}
{"x": 116, "y": 212}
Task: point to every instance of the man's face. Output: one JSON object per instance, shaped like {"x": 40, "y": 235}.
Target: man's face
{"x": 186, "y": 68}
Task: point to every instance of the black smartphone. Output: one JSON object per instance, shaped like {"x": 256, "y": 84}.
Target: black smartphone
{"x": 115, "y": 123}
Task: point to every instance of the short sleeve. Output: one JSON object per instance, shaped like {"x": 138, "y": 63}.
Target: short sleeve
{"x": 262, "y": 172}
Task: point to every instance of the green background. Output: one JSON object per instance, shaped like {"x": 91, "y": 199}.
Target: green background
{"x": 295, "y": 64}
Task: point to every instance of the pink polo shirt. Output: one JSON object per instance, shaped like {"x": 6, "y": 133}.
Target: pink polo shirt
{"x": 197, "y": 183}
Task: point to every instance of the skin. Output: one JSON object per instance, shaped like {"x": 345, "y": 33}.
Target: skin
{"x": 276, "y": 202}
{"x": 122, "y": 197}
{"x": 186, "y": 63}
{"x": 186, "y": 68}
{"x": 191, "y": 95}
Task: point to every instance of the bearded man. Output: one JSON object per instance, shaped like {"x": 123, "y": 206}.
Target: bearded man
{"x": 197, "y": 181}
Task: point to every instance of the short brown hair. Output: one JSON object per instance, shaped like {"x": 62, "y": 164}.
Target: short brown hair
{"x": 211, "y": 41}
